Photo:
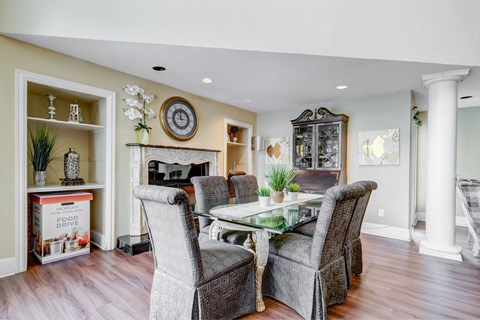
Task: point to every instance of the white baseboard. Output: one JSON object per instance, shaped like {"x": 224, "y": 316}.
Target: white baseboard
{"x": 459, "y": 221}
{"x": 98, "y": 239}
{"x": 386, "y": 231}
{"x": 421, "y": 216}
{"x": 8, "y": 266}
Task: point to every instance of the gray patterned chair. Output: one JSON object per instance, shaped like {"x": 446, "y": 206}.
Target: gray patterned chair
{"x": 353, "y": 244}
{"x": 308, "y": 273}
{"x": 211, "y": 191}
{"x": 246, "y": 187}
{"x": 468, "y": 191}
{"x": 192, "y": 279}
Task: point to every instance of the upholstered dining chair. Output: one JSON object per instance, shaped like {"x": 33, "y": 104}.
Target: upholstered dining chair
{"x": 231, "y": 187}
{"x": 211, "y": 191}
{"x": 192, "y": 280}
{"x": 353, "y": 244}
{"x": 308, "y": 273}
{"x": 246, "y": 187}
{"x": 468, "y": 191}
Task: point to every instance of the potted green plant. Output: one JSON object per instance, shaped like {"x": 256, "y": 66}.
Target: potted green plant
{"x": 293, "y": 189}
{"x": 263, "y": 196}
{"x": 278, "y": 178}
{"x": 41, "y": 151}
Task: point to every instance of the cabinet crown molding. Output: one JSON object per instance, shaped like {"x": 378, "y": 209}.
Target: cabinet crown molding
{"x": 318, "y": 115}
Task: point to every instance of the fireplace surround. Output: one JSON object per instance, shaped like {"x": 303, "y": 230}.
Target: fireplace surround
{"x": 140, "y": 157}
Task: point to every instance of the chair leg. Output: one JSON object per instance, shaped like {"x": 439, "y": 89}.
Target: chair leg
{"x": 476, "y": 249}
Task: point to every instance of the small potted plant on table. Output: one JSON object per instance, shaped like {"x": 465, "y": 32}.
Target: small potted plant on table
{"x": 278, "y": 178}
{"x": 293, "y": 189}
{"x": 263, "y": 196}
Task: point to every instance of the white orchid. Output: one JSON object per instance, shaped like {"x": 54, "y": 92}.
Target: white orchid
{"x": 150, "y": 113}
{"x": 133, "y": 114}
{"x": 136, "y": 107}
{"x": 148, "y": 98}
{"x": 133, "y": 103}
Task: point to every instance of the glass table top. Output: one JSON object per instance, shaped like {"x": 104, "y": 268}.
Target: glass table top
{"x": 276, "y": 220}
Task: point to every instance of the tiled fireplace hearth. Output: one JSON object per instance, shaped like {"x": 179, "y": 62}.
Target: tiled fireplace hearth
{"x": 141, "y": 155}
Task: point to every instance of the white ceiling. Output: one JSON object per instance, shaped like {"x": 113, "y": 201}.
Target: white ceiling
{"x": 272, "y": 81}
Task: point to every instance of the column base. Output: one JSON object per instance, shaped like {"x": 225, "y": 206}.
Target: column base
{"x": 446, "y": 252}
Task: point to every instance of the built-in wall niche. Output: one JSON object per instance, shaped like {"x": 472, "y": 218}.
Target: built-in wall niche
{"x": 238, "y": 154}
{"x": 93, "y": 138}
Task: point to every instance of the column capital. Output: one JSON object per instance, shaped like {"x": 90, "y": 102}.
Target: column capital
{"x": 455, "y": 75}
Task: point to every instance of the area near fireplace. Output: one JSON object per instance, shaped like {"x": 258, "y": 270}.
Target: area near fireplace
{"x": 145, "y": 157}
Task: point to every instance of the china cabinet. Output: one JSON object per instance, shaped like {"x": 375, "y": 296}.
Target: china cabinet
{"x": 319, "y": 144}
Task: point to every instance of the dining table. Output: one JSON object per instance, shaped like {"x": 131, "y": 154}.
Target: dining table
{"x": 264, "y": 222}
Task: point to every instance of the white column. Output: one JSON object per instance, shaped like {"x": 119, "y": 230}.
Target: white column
{"x": 441, "y": 164}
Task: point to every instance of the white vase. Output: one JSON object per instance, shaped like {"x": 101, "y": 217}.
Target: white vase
{"x": 143, "y": 136}
{"x": 264, "y": 201}
{"x": 292, "y": 195}
{"x": 40, "y": 177}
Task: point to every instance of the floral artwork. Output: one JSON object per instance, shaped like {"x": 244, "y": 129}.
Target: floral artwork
{"x": 277, "y": 151}
{"x": 137, "y": 107}
{"x": 380, "y": 147}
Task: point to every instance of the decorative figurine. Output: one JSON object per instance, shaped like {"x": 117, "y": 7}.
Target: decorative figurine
{"x": 51, "y": 107}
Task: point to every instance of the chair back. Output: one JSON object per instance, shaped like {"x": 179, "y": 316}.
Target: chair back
{"x": 355, "y": 226}
{"x": 172, "y": 231}
{"x": 210, "y": 191}
{"x": 332, "y": 223}
{"x": 231, "y": 187}
{"x": 468, "y": 191}
{"x": 245, "y": 188}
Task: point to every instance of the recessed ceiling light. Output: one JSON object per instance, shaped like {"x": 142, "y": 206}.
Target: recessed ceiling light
{"x": 207, "y": 80}
{"x": 158, "y": 68}
{"x": 247, "y": 100}
{"x": 342, "y": 87}
{"x": 466, "y": 97}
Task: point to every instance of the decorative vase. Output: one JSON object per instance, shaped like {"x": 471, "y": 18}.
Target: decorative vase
{"x": 277, "y": 196}
{"x": 39, "y": 177}
{"x": 292, "y": 195}
{"x": 264, "y": 201}
{"x": 71, "y": 164}
{"x": 143, "y": 136}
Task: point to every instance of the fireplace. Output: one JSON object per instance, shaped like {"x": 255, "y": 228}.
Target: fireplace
{"x": 167, "y": 166}
{"x": 176, "y": 165}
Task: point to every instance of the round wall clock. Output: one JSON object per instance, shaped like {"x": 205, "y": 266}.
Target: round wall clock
{"x": 178, "y": 118}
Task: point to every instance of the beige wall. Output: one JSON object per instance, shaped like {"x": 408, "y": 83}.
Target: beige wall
{"x": 19, "y": 55}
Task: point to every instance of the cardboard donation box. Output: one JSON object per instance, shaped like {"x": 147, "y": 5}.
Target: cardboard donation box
{"x": 61, "y": 225}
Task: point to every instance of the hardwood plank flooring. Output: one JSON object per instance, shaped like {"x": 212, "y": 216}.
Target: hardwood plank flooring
{"x": 397, "y": 283}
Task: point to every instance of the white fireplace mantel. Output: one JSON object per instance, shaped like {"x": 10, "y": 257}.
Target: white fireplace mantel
{"x": 141, "y": 155}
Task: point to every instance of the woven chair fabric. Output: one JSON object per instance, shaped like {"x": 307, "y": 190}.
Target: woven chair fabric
{"x": 192, "y": 279}
{"x": 246, "y": 187}
{"x": 310, "y": 285}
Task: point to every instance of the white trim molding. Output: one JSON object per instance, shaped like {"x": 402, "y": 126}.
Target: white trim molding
{"x": 97, "y": 238}
{"x": 8, "y": 266}
{"x": 386, "y": 231}
{"x": 108, "y": 101}
{"x": 459, "y": 221}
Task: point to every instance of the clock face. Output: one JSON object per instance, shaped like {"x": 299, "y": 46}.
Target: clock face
{"x": 178, "y": 118}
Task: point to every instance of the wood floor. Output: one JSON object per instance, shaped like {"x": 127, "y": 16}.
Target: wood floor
{"x": 397, "y": 283}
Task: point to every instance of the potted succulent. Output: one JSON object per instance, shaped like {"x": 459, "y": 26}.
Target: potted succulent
{"x": 293, "y": 189}
{"x": 278, "y": 178}
{"x": 263, "y": 196}
{"x": 41, "y": 151}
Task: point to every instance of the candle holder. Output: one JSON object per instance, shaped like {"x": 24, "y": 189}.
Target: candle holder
{"x": 51, "y": 107}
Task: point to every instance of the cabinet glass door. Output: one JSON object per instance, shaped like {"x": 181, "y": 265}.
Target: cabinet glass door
{"x": 328, "y": 146}
{"x": 303, "y": 147}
